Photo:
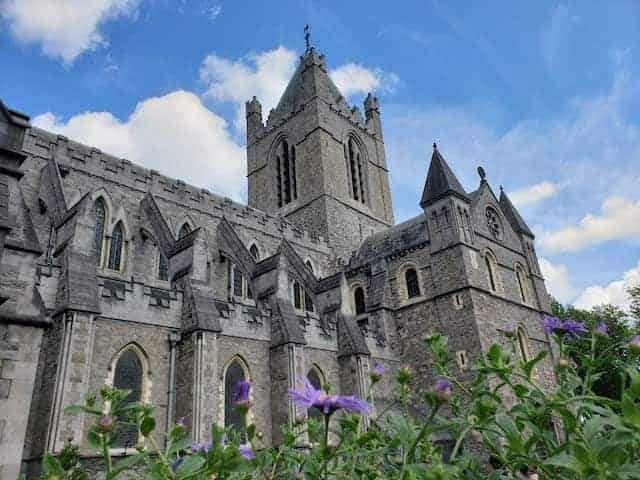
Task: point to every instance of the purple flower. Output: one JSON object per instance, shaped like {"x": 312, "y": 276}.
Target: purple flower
{"x": 308, "y": 397}
{"x": 509, "y": 330}
{"x": 246, "y": 451}
{"x": 243, "y": 387}
{"x": 574, "y": 328}
{"x": 601, "y": 330}
{"x": 443, "y": 389}
{"x": 106, "y": 424}
{"x": 180, "y": 422}
{"x": 567, "y": 327}
{"x": 634, "y": 345}
{"x": 552, "y": 324}
{"x": 377, "y": 372}
{"x": 201, "y": 447}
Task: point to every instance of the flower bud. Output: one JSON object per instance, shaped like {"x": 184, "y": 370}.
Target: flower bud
{"x": 509, "y": 330}
{"x": 377, "y": 372}
{"x": 404, "y": 375}
{"x": 443, "y": 389}
{"x": 106, "y": 424}
{"x": 563, "y": 364}
{"x": 601, "y": 331}
{"x": 634, "y": 345}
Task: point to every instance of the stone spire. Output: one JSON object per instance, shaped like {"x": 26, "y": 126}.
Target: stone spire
{"x": 441, "y": 181}
{"x": 510, "y": 211}
{"x": 311, "y": 79}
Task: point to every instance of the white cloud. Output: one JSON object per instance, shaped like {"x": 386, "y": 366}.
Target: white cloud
{"x": 212, "y": 11}
{"x": 534, "y": 193}
{"x": 266, "y": 75}
{"x": 619, "y": 218}
{"x": 557, "y": 281}
{"x": 64, "y": 28}
{"x": 352, "y": 79}
{"x": 615, "y": 292}
{"x": 174, "y": 134}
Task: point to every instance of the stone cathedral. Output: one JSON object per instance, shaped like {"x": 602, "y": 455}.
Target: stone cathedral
{"x": 113, "y": 274}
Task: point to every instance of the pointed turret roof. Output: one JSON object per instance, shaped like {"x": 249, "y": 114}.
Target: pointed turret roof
{"x": 513, "y": 216}
{"x": 310, "y": 79}
{"x": 441, "y": 181}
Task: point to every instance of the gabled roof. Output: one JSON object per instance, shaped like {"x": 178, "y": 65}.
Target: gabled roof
{"x": 310, "y": 79}
{"x": 510, "y": 211}
{"x": 441, "y": 181}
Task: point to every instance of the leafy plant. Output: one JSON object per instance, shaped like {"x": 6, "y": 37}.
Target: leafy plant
{"x": 501, "y": 425}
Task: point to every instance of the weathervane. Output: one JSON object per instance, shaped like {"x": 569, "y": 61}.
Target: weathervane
{"x": 307, "y": 37}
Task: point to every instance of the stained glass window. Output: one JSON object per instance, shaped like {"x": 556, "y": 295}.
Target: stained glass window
{"x": 163, "y": 267}
{"x": 115, "y": 251}
{"x": 411, "y": 279}
{"x": 128, "y": 376}
{"x": 233, "y": 418}
{"x": 101, "y": 215}
{"x": 358, "y": 297}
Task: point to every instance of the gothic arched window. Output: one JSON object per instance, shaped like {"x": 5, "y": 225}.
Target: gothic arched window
{"x": 412, "y": 284}
{"x": 232, "y": 417}
{"x": 492, "y": 271}
{"x": 115, "y": 249}
{"x": 359, "y": 301}
{"x": 255, "y": 253}
{"x": 297, "y": 296}
{"x": 185, "y": 230}
{"x": 286, "y": 173}
{"x": 128, "y": 375}
{"x": 163, "y": 266}
{"x": 521, "y": 277}
{"x": 522, "y": 344}
{"x": 309, "y": 265}
{"x": 98, "y": 239}
{"x": 355, "y": 169}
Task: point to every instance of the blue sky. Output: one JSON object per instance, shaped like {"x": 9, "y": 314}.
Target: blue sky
{"x": 544, "y": 95}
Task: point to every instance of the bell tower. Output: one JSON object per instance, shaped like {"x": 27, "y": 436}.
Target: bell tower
{"x": 318, "y": 162}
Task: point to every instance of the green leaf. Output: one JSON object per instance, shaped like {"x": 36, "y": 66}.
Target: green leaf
{"x": 529, "y": 366}
{"x": 51, "y": 466}
{"x": 95, "y": 439}
{"x": 127, "y": 463}
{"x": 190, "y": 466}
{"x": 147, "y": 426}
{"x": 564, "y": 460}
{"x": 630, "y": 411}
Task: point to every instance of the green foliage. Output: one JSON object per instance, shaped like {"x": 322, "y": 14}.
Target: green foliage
{"x": 611, "y": 354}
{"x": 634, "y": 293}
{"x": 568, "y": 432}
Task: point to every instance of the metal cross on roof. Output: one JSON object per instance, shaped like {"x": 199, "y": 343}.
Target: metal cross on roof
{"x": 307, "y": 37}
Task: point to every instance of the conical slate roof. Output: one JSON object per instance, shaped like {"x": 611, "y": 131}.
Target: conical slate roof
{"x": 517, "y": 222}
{"x": 441, "y": 181}
{"x": 310, "y": 79}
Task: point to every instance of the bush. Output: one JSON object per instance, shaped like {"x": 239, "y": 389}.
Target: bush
{"x": 567, "y": 433}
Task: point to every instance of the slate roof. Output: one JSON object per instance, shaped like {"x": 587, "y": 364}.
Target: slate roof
{"x": 350, "y": 338}
{"x": 404, "y": 235}
{"x": 510, "y": 211}
{"x": 440, "y": 181}
{"x": 309, "y": 80}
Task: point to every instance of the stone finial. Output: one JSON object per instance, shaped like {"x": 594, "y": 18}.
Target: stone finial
{"x": 483, "y": 174}
{"x": 253, "y": 106}
{"x": 435, "y": 146}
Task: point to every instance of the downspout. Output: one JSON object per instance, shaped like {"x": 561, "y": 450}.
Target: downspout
{"x": 174, "y": 338}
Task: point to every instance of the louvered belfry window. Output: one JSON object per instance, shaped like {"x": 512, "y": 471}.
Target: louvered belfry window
{"x": 128, "y": 376}
{"x": 413, "y": 287}
{"x": 358, "y": 296}
{"x": 101, "y": 215}
{"x": 233, "y": 418}
{"x": 115, "y": 251}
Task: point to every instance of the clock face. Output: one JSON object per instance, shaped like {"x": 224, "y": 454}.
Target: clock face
{"x": 493, "y": 222}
